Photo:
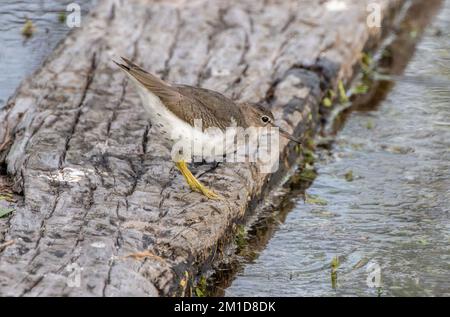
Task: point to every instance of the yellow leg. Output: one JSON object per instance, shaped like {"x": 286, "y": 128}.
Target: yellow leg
{"x": 193, "y": 182}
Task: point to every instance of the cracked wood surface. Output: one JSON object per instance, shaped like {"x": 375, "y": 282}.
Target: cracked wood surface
{"x": 97, "y": 184}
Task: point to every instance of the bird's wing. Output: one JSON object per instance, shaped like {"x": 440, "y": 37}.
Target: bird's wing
{"x": 212, "y": 107}
{"x": 164, "y": 91}
{"x": 187, "y": 102}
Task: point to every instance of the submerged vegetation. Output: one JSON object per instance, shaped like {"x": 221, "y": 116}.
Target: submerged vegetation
{"x": 28, "y": 28}
{"x": 335, "y": 263}
{"x": 349, "y": 176}
{"x": 62, "y": 17}
{"x": 240, "y": 237}
{"x": 315, "y": 200}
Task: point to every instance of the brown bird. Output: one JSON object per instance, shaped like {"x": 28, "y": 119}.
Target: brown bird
{"x": 175, "y": 111}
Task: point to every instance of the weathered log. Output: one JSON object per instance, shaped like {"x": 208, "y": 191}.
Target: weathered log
{"x": 97, "y": 184}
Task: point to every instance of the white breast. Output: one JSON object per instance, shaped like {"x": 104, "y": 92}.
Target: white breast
{"x": 193, "y": 140}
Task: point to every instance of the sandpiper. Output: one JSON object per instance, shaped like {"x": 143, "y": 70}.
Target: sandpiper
{"x": 174, "y": 109}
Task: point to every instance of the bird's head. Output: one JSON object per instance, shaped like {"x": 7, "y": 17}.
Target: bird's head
{"x": 259, "y": 116}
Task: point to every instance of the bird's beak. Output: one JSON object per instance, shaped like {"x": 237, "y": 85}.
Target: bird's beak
{"x": 287, "y": 135}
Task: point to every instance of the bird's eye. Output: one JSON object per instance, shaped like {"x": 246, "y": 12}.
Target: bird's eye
{"x": 265, "y": 119}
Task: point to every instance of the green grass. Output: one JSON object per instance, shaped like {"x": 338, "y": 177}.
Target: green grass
{"x": 342, "y": 93}
{"x": 200, "y": 289}
{"x": 4, "y": 212}
{"x": 360, "y": 89}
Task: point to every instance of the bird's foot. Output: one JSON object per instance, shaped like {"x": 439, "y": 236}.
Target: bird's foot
{"x": 194, "y": 183}
{"x": 205, "y": 191}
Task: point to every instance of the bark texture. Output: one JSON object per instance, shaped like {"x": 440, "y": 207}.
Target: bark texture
{"x": 96, "y": 184}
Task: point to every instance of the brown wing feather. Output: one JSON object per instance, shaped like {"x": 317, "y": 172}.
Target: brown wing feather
{"x": 187, "y": 102}
{"x": 212, "y": 107}
{"x": 160, "y": 88}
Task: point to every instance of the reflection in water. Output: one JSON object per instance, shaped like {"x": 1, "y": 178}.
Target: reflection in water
{"x": 19, "y": 57}
{"x": 395, "y": 211}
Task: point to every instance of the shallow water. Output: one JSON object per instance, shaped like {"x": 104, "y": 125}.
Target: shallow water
{"x": 395, "y": 212}
{"x": 20, "y": 56}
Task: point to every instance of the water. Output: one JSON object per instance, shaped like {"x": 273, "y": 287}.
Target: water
{"x": 20, "y": 56}
{"x": 395, "y": 212}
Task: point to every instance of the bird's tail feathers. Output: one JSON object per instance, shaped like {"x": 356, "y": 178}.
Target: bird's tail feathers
{"x": 146, "y": 79}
